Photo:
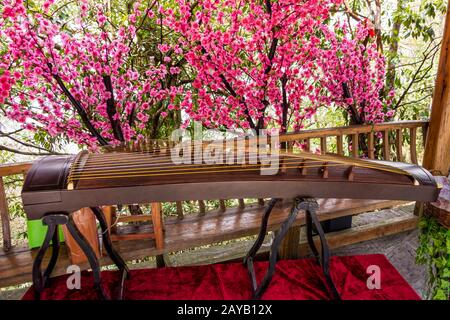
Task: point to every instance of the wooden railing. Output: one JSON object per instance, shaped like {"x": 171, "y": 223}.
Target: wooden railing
{"x": 356, "y": 132}
{"x": 8, "y": 170}
{"x": 390, "y": 132}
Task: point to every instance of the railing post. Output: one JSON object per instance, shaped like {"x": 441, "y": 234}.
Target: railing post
{"x": 413, "y": 144}
{"x": 355, "y": 145}
{"x": 371, "y": 145}
{"x": 323, "y": 145}
{"x": 4, "y": 214}
{"x": 399, "y": 144}
{"x": 340, "y": 145}
{"x": 386, "y": 148}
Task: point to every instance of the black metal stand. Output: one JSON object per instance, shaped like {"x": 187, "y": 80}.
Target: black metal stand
{"x": 53, "y": 220}
{"x": 309, "y": 206}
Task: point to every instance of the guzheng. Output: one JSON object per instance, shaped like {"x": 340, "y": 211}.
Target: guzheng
{"x": 57, "y": 186}
{"x": 68, "y": 183}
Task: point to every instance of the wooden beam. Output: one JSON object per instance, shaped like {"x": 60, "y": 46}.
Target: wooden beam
{"x": 14, "y": 168}
{"x": 364, "y": 233}
{"x": 437, "y": 149}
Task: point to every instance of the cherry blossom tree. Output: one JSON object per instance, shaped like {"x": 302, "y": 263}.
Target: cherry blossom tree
{"x": 257, "y": 64}
{"x": 274, "y": 63}
{"x": 78, "y": 78}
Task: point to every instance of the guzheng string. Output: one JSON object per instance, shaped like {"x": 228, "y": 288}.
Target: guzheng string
{"x": 175, "y": 172}
{"x": 166, "y": 161}
{"x": 94, "y": 166}
{"x": 186, "y": 167}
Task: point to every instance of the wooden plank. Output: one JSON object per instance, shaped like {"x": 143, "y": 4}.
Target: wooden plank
{"x": 192, "y": 231}
{"x": 386, "y": 147}
{"x": 4, "y": 216}
{"x": 355, "y": 145}
{"x": 399, "y": 144}
{"x": 364, "y": 233}
{"x": 340, "y": 145}
{"x": 135, "y": 218}
{"x": 132, "y": 236}
{"x": 371, "y": 145}
{"x": 14, "y": 168}
{"x": 413, "y": 144}
{"x": 437, "y": 150}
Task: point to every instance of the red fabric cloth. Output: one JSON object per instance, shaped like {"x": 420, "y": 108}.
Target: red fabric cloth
{"x": 293, "y": 280}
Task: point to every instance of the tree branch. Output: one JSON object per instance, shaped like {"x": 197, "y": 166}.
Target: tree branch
{"x": 80, "y": 110}
{"x": 111, "y": 110}
{"x": 5, "y": 148}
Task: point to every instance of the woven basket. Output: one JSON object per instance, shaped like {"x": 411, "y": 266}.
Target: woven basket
{"x": 442, "y": 216}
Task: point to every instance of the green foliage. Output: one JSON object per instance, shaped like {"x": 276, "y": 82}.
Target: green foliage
{"x": 434, "y": 252}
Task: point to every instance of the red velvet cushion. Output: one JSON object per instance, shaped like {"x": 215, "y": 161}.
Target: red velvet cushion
{"x": 293, "y": 280}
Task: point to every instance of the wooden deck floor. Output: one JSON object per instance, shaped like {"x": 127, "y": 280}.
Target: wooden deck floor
{"x": 15, "y": 266}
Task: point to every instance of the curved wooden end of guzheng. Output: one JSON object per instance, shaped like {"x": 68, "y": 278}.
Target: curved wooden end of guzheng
{"x": 43, "y": 183}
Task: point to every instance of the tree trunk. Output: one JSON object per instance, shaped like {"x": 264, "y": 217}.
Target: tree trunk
{"x": 393, "y": 51}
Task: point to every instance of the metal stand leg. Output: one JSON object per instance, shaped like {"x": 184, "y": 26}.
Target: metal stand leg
{"x": 258, "y": 290}
{"x": 309, "y": 206}
{"x": 38, "y": 279}
{"x": 248, "y": 260}
{"x": 324, "y": 261}
{"x": 54, "y": 257}
{"x": 90, "y": 254}
{"x": 113, "y": 254}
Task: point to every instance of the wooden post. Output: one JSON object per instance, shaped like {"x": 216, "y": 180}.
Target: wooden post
{"x": 4, "y": 215}
{"x": 355, "y": 145}
{"x": 202, "y": 207}
{"x": 371, "y": 145}
{"x": 340, "y": 145}
{"x": 323, "y": 145}
{"x": 158, "y": 224}
{"x": 180, "y": 210}
{"x": 386, "y": 148}
{"x": 399, "y": 144}
{"x": 437, "y": 149}
{"x": 290, "y": 245}
{"x": 413, "y": 144}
